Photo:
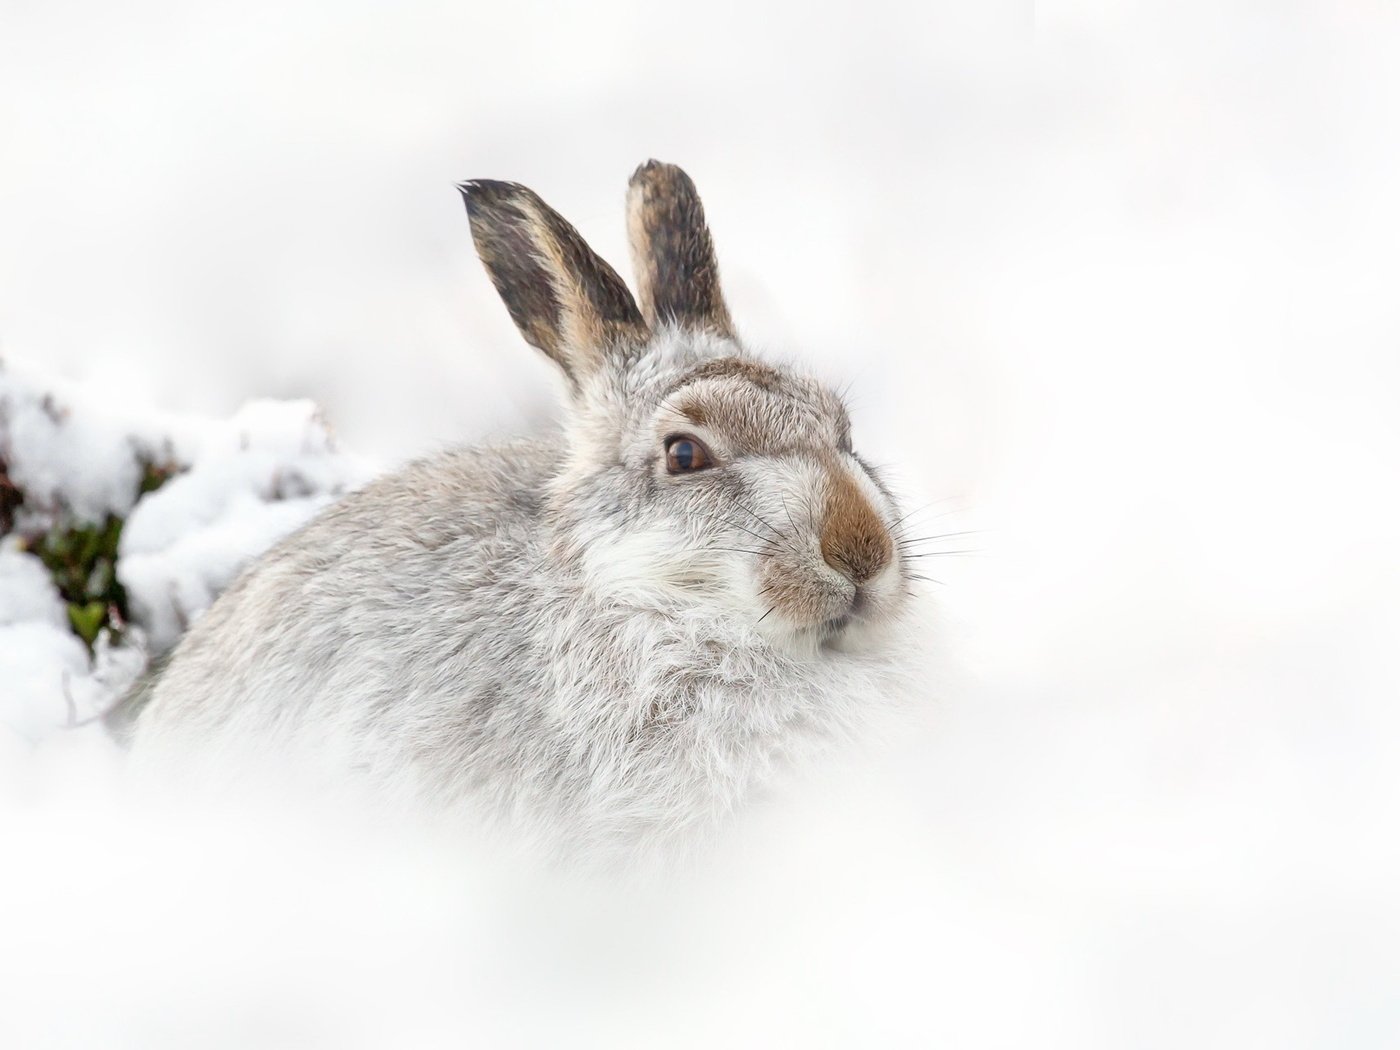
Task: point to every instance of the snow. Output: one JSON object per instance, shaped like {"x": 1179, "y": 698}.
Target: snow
{"x": 62, "y": 458}
{"x": 1120, "y": 278}
{"x": 27, "y": 593}
{"x": 254, "y": 479}
{"x": 243, "y": 484}
{"x": 38, "y": 663}
{"x": 50, "y": 681}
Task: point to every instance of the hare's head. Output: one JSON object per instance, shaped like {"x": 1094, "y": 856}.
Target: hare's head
{"x": 692, "y": 477}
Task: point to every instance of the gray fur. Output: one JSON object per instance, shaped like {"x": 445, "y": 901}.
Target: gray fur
{"x": 558, "y": 635}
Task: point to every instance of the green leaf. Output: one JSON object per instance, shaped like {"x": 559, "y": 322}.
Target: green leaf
{"x": 87, "y": 619}
{"x": 91, "y": 539}
{"x": 112, "y": 536}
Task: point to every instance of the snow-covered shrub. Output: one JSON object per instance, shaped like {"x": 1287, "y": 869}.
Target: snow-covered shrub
{"x": 118, "y": 529}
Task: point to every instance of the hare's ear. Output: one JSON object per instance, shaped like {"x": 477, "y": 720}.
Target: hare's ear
{"x": 563, "y": 297}
{"x": 672, "y": 253}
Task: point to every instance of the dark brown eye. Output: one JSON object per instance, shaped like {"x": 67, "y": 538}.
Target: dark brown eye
{"x": 685, "y": 454}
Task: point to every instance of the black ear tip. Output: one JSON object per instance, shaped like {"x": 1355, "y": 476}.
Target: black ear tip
{"x": 481, "y": 194}
{"x": 471, "y": 194}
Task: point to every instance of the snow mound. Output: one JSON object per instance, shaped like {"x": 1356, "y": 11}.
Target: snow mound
{"x": 236, "y": 487}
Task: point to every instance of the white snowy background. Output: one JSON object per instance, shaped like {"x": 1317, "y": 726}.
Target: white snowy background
{"x": 1114, "y": 283}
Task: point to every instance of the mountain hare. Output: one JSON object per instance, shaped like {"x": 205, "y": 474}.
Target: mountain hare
{"x": 603, "y": 638}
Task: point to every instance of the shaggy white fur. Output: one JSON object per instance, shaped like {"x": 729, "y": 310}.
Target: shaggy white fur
{"x": 561, "y": 636}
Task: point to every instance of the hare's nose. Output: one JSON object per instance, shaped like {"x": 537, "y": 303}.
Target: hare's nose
{"x": 854, "y": 540}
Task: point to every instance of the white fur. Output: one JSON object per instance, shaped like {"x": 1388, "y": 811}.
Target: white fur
{"x": 555, "y": 636}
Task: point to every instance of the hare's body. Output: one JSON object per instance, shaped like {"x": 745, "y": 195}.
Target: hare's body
{"x": 399, "y": 656}
{"x": 569, "y": 636}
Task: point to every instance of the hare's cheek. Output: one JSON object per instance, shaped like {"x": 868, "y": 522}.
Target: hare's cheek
{"x": 639, "y": 566}
{"x": 801, "y": 596}
{"x": 884, "y": 598}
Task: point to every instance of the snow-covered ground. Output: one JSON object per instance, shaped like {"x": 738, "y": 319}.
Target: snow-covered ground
{"x": 1113, "y": 283}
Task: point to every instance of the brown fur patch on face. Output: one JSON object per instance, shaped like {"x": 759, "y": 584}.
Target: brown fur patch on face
{"x": 759, "y": 375}
{"x": 755, "y": 409}
{"x": 854, "y": 540}
{"x": 672, "y": 253}
{"x": 564, "y": 299}
{"x": 695, "y": 411}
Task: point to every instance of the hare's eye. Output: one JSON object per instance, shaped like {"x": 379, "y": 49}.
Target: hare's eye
{"x": 685, "y": 454}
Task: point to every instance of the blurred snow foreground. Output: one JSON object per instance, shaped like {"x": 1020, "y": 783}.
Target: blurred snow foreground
{"x": 72, "y": 459}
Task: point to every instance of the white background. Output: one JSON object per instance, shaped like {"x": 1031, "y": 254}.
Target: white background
{"x": 1116, "y": 283}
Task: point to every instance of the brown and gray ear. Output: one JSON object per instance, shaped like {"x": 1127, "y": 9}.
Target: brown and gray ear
{"x": 672, "y": 253}
{"x": 564, "y": 298}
